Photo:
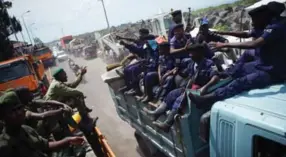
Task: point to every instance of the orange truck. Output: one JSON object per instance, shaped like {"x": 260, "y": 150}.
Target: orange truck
{"x": 24, "y": 71}
{"x": 45, "y": 54}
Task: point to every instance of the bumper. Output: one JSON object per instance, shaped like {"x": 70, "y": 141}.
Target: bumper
{"x": 49, "y": 62}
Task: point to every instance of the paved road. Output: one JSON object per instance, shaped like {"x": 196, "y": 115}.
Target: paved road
{"x": 119, "y": 134}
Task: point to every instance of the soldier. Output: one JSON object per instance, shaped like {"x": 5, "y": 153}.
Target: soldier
{"x": 61, "y": 91}
{"x": 18, "y": 140}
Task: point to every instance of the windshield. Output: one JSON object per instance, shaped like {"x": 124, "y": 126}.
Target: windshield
{"x": 13, "y": 71}
{"x": 42, "y": 51}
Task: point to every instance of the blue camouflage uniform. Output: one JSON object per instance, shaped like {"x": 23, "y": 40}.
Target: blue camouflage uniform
{"x": 266, "y": 70}
{"x": 200, "y": 74}
{"x": 152, "y": 78}
{"x": 148, "y": 64}
{"x": 134, "y": 69}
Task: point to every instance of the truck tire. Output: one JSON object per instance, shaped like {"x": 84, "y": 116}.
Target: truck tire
{"x": 146, "y": 147}
{"x": 143, "y": 145}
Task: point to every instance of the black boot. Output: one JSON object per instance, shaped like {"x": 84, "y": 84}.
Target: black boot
{"x": 202, "y": 101}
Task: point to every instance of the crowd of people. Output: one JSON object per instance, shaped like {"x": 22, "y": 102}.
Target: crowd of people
{"x": 167, "y": 68}
{"x": 38, "y": 127}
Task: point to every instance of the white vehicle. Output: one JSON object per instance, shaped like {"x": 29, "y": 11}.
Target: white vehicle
{"x": 62, "y": 56}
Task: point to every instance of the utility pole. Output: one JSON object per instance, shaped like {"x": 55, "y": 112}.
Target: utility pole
{"x": 63, "y": 32}
{"x": 106, "y": 18}
{"x": 26, "y": 25}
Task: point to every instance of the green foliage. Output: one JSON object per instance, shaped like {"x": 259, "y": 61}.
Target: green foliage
{"x": 223, "y": 6}
{"x": 8, "y": 25}
{"x": 221, "y": 27}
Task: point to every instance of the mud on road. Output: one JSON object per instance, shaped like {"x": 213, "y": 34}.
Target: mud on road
{"x": 119, "y": 134}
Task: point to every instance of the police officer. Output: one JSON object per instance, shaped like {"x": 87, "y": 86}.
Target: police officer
{"x": 258, "y": 27}
{"x": 163, "y": 76}
{"x": 202, "y": 75}
{"x": 61, "y": 91}
{"x": 269, "y": 68}
{"x": 18, "y": 140}
{"x": 205, "y": 35}
{"x": 177, "y": 19}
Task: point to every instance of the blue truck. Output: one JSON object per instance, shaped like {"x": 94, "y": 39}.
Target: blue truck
{"x": 252, "y": 124}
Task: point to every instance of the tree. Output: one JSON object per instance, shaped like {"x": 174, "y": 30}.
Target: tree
{"x": 8, "y": 25}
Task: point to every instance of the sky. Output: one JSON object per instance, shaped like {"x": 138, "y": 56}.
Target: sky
{"x": 51, "y": 19}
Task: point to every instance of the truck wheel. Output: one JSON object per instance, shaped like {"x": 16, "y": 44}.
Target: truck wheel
{"x": 143, "y": 145}
{"x": 147, "y": 149}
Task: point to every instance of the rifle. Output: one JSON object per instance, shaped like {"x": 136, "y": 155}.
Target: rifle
{"x": 189, "y": 26}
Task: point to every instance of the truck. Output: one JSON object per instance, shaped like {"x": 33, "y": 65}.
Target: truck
{"x": 251, "y": 124}
{"x": 44, "y": 54}
{"x": 64, "y": 41}
{"x": 24, "y": 71}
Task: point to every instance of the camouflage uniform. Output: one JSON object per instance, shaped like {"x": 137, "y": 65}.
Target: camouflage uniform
{"x": 27, "y": 143}
{"x": 66, "y": 93}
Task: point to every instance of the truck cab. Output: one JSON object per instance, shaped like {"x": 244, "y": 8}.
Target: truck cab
{"x": 45, "y": 54}
{"x": 251, "y": 124}
{"x": 23, "y": 71}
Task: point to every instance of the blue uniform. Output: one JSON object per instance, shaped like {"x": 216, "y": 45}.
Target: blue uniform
{"x": 151, "y": 79}
{"x": 178, "y": 44}
{"x": 201, "y": 75}
{"x": 148, "y": 64}
{"x": 269, "y": 68}
{"x": 171, "y": 32}
{"x": 138, "y": 49}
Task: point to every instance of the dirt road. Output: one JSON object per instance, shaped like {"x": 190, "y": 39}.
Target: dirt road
{"x": 119, "y": 134}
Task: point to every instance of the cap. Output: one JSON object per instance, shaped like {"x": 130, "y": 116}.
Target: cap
{"x": 258, "y": 11}
{"x": 144, "y": 31}
{"x": 9, "y": 100}
{"x": 164, "y": 44}
{"x": 197, "y": 48}
{"x": 204, "y": 21}
{"x": 276, "y": 8}
{"x": 176, "y": 12}
{"x": 57, "y": 71}
{"x": 178, "y": 26}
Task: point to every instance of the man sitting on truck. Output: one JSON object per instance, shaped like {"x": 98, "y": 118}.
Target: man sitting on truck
{"x": 202, "y": 75}
{"x": 268, "y": 69}
{"x": 36, "y": 111}
{"x": 148, "y": 59}
{"x": 164, "y": 76}
{"x": 207, "y": 36}
{"x": 61, "y": 91}
{"x": 258, "y": 27}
